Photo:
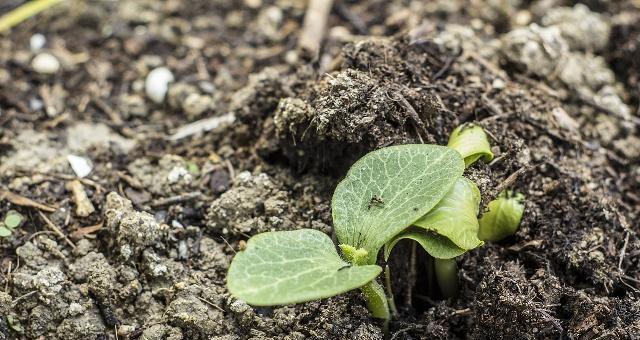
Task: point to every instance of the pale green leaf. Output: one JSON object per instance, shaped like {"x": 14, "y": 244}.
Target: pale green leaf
{"x": 4, "y": 231}
{"x": 436, "y": 245}
{"x": 388, "y": 189}
{"x": 471, "y": 142}
{"x": 455, "y": 215}
{"x": 13, "y": 219}
{"x": 503, "y": 217}
{"x": 284, "y": 267}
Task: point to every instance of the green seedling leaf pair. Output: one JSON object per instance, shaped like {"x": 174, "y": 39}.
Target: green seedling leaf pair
{"x": 382, "y": 194}
{"x": 12, "y": 220}
{"x": 502, "y": 217}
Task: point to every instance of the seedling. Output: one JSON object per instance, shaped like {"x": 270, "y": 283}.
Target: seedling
{"x": 503, "y": 216}
{"x": 11, "y": 221}
{"x": 382, "y": 194}
{"x": 407, "y": 191}
{"x": 451, "y": 228}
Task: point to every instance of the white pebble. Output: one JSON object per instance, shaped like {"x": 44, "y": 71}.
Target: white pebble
{"x": 37, "y": 42}
{"x": 45, "y": 63}
{"x": 80, "y": 165}
{"x": 157, "y": 83}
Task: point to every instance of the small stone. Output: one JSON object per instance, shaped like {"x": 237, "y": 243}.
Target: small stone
{"x": 157, "y": 84}
{"x": 37, "y": 42}
{"x": 80, "y": 165}
{"x": 45, "y": 63}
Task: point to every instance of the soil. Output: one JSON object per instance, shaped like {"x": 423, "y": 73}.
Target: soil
{"x": 139, "y": 248}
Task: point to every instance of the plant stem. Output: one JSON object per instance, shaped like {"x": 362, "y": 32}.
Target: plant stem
{"x": 390, "y": 299}
{"x": 24, "y": 12}
{"x": 376, "y": 300}
{"x": 447, "y": 277}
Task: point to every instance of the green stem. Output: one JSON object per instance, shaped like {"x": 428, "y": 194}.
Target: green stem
{"x": 24, "y": 12}
{"x": 390, "y": 299}
{"x": 376, "y": 300}
{"x": 447, "y": 277}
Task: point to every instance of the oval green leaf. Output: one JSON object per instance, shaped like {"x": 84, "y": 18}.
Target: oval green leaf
{"x": 436, "y": 245}
{"x": 4, "y": 231}
{"x": 13, "y": 219}
{"x": 503, "y": 216}
{"x": 388, "y": 189}
{"x": 471, "y": 142}
{"x": 284, "y": 267}
{"x": 455, "y": 215}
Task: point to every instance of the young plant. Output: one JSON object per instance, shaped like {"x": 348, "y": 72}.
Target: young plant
{"x": 11, "y": 221}
{"x": 383, "y": 193}
{"x": 451, "y": 228}
{"x": 503, "y": 216}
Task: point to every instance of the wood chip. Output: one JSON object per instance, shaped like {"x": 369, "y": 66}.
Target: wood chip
{"x": 84, "y": 207}
{"x": 314, "y": 26}
{"x": 23, "y": 201}
{"x": 82, "y": 232}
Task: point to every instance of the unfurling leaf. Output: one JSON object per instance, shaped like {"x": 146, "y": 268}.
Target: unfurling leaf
{"x": 284, "y": 267}
{"x": 388, "y": 189}
{"x": 455, "y": 215}
{"x": 503, "y": 216}
{"x": 471, "y": 142}
{"x": 436, "y": 245}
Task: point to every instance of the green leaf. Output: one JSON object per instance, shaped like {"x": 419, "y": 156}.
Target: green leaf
{"x": 503, "y": 216}
{"x": 455, "y": 215}
{"x": 4, "y": 231}
{"x": 436, "y": 245}
{"x": 13, "y": 219}
{"x": 388, "y": 189}
{"x": 283, "y": 267}
{"x": 471, "y": 142}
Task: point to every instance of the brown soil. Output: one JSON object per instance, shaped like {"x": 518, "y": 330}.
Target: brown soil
{"x": 149, "y": 262}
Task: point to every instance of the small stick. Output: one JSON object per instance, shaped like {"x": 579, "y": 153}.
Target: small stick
{"x": 176, "y": 199}
{"x": 13, "y": 303}
{"x": 623, "y": 251}
{"x": 56, "y": 230}
{"x": 210, "y": 303}
{"x": 23, "y": 201}
{"x": 84, "y": 207}
{"x": 314, "y": 26}
{"x": 512, "y": 178}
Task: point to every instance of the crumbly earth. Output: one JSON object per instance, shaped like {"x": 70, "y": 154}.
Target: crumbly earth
{"x": 555, "y": 83}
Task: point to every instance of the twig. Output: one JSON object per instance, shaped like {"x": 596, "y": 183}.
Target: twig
{"x": 512, "y": 178}
{"x": 56, "y": 230}
{"x": 447, "y": 65}
{"x": 210, "y": 303}
{"x": 348, "y": 15}
{"x": 104, "y": 107}
{"x": 23, "y": 201}
{"x": 176, "y": 199}
{"x": 422, "y": 130}
{"x": 623, "y": 251}
{"x": 13, "y": 303}
{"x": 314, "y": 26}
